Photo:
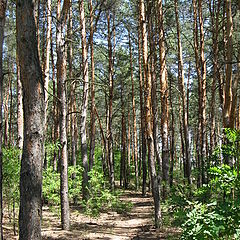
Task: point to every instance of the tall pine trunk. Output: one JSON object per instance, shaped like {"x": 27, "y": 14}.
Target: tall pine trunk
{"x": 164, "y": 100}
{"x": 61, "y": 78}
{"x": 155, "y": 179}
{"x": 84, "y": 103}
{"x": 33, "y": 102}
{"x": 183, "y": 98}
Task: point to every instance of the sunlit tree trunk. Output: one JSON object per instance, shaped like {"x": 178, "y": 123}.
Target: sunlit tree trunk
{"x": 92, "y": 123}
{"x": 61, "y": 78}
{"x": 203, "y": 93}
{"x": 73, "y": 127}
{"x": 33, "y": 92}
{"x": 84, "y": 103}
{"x": 183, "y": 98}
{"x": 19, "y": 109}
{"x": 214, "y": 13}
{"x": 155, "y": 179}
{"x": 124, "y": 167}
{"x": 142, "y": 112}
{"x": 135, "y": 145}
{"x": 110, "y": 102}
{"x": 164, "y": 100}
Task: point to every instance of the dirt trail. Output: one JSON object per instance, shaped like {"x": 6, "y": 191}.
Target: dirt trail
{"x": 135, "y": 225}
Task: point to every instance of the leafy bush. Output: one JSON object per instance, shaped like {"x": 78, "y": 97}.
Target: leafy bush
{"x": 101, "y": 198}
{"x": 51, "y": 187}
{"x": 220, "y": 219}
{"x": 203, "y": 222}
{"x": 11, "y": 174}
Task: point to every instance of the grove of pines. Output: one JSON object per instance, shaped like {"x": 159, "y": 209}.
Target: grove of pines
{"x": 119, "y": 119}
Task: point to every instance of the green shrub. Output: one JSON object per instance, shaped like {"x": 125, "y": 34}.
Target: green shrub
{"x": 11, "y": 174}
{"x": 101, "y": 198}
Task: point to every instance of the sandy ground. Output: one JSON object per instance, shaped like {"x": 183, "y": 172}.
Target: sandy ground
{"x": 135, "y": 225}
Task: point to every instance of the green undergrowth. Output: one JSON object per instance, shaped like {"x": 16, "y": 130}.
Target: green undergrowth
{"x": 213, "y": 210}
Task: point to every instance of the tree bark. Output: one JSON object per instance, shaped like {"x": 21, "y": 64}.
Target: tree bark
{"x": 84, "y": 103}
{"x": 61, "y": 78}
{"x": 164, "y": 101}
{"x": 19, "y": 109}
{"x": 135, "y": 146}
{"x": 183, "y": 98}
{"x": 142, "y": 111}
{"x": 92, "y": 123}
{"x": 155, "y": 179}
{"x": 33, "y": 147}
{"x": 109, "y": 130}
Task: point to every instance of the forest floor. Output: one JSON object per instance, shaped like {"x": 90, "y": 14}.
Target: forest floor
{"x": 134, "y": 225}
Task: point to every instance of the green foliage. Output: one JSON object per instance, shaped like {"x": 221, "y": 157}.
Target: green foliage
{"x": 75, "y": 182}
{"x": 101, "y": 198}
{"x": 51, "y": 187}
{"x": 219, "y": 219}
{"x": 11, "y": 173}
{"x": 203, "y": 222}
{"x": 223, "y": 180}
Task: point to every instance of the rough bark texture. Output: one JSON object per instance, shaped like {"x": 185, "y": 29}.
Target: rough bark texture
{"x": 33, "y": 103}
{"x": 164, "y": 100}
{"x": 61, "y": 78}
{"x": 155, "y": 179}
{"x": 84, "y": 103}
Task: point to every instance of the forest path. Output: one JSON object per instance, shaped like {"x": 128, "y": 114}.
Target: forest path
{"x": 134, "y": 225}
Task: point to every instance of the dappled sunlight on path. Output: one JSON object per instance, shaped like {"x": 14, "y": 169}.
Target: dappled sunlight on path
{"x": 136, "y": 224}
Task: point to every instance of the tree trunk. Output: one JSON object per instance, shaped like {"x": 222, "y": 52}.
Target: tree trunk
{"x": 3, "y": 4}
{"x": 124, "y": 168}
{"x": 73, "y": 127}
{"x": 92, "y": 123}
{"x": 110, "y": 72}
{"x": 33, "y": 147}
{"x": 84, "y": 104}
{"x": 19, "y": 109}
{"x": 61, "y": 77}
{"x": 164, "y": 101}
{"x": 215, "y": 28}
{"x": 135, "y": 146}
{"x": 142, "y": 111}
{"x": 228, "y": 95}
{"x": 203, "y": 100}
{"x": 183, "y": 98}
{"x": 47, "y": 57}
{"x": 155, "y": 180}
